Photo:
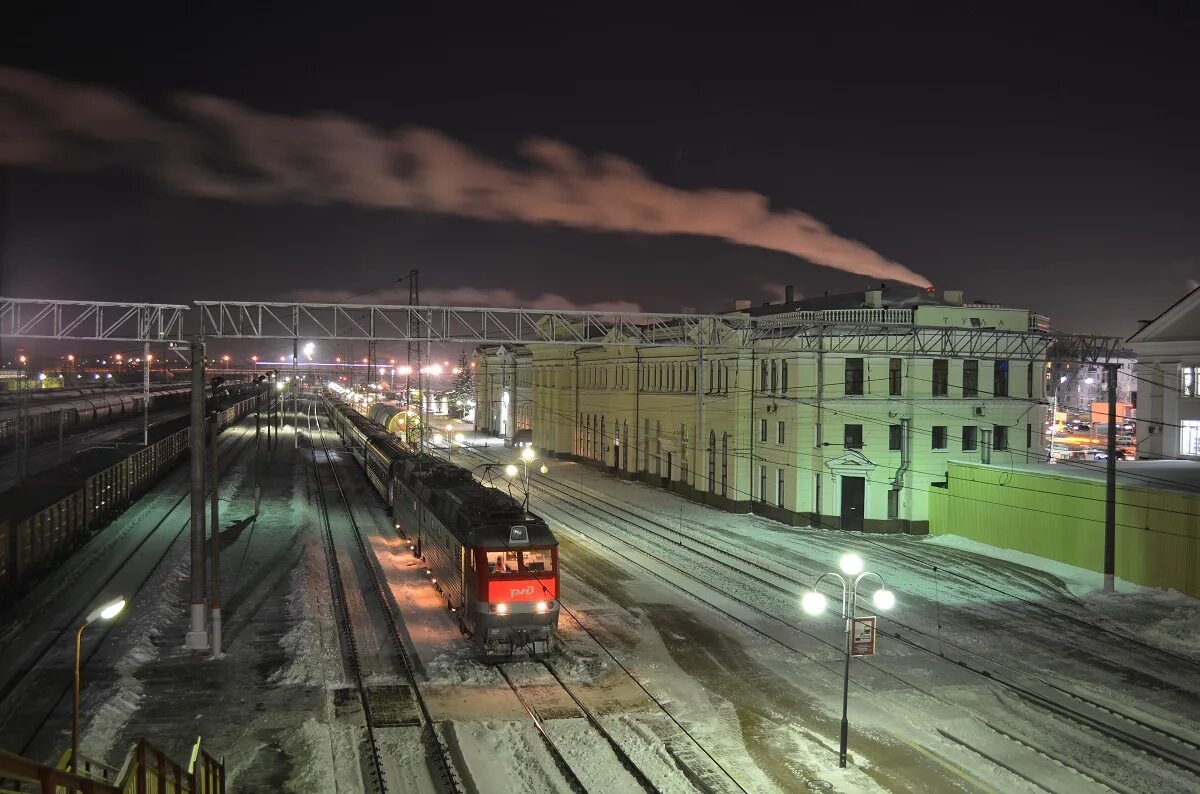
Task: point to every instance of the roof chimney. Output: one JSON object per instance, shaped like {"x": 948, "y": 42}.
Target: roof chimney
{"x": 741, "y": 306}
{"x": 789, "y": 294}
{"x": 874, "y": 299}
{"x": 953, "y": 296}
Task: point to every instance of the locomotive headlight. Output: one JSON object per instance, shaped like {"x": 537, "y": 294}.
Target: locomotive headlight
{"x": 502, "y": 609}
{"x": 542, "y": 606}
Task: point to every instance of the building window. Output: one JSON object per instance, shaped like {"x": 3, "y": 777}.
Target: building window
{"x": 895, "y": 377}
{"x": 1000, "y": 438}
{"x": 774, "y": 375}
{"x": 939, "y": 436}
{"x": 853, "y": 436}
{"x": 970, "y": 378}
{"x": 1189, "y": 437}
{"x": 779, "y": 487}
{"x": 970, "y": 436}
{"x": 1190, "y": 379}
{"x": 765, "y": 376}
{"x": 941, "y": 377}
{"x": 762, "y": 430}
{"x": 854, "y": 376}
{"x": 1000, "y": 379}
{"x": 1029, "y": 380}
{"x": 780, "y": 433}
{"x": 762, "y": 483}
{"x": 894, "y": 434}
{"x": 783, "y": 376}
{"x": 724, "y": 464}
{"x": 894, "y": 503}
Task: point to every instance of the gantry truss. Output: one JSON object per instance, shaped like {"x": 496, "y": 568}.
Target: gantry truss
{"x": 464, "y": 324}
{"x": 94, "y": 320}
{"x": 890, "y": 332}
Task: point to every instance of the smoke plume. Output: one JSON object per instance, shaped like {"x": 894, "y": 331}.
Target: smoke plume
{"x": 212, "y": 147}
{"x": 465, "y": 296}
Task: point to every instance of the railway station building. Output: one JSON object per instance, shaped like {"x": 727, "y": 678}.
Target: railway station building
{"x": 841, "y": 411}
{"x": 1168, "y": 382}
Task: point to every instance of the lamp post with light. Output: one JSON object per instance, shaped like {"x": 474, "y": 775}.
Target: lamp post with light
{"x": 814, "y": 603}
{"x": 528, "y": 456}
{"x": 103, "y": 612}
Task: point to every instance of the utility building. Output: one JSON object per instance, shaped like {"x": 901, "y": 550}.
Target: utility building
{"x": 1168, "y": 382}
{"x": 838, "y": 411}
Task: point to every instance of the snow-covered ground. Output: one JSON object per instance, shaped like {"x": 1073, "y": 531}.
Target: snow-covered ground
{"x": 680, "y": 633}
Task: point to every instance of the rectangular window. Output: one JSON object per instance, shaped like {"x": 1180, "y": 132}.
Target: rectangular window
{"x": 765, "y": 375}
{"x": 853, "y": 436}
{"x": 762, "y": 483}
{"x": 1000, "y": 379}
{"x": 939, "y": 436}
{"x": 894, "y": 433}
{"x": 1028, "y": 436}
{"x": 783, "y": 376}
{"x": 774, "y": 375}
{"x": 780, "y": 433}
{"x": 1000, "y": 438}
{"x": 1189, "y": 437}
{"x": 1189, "y": 378}
{"x": 779, "y": 487}
{"x": 762, "y": 430}
{"x": 854, "y": 376}
{"x": 893, "y": 503}
{"x": 895, "y": 377}
{"x": 941, "y": 377}
{"x": 970, "y": 378}
{"x": 970, "y": 435}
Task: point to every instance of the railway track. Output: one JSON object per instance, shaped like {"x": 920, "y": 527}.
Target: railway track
{"x": 36, "y": 662}
{"x": 561, "y": 757}
{"x": 436, "y": 748}
{"x": 1160, "y": 742}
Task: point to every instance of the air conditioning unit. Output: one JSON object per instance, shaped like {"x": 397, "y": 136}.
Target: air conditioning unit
{"x": 979, "y": 410}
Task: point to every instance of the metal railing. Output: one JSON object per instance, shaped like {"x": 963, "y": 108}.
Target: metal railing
{"x": 146, "y": 770}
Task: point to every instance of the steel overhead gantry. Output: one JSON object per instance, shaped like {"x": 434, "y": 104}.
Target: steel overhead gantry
{"x": 34, "y": 318}
{"x": 464, "y": 324}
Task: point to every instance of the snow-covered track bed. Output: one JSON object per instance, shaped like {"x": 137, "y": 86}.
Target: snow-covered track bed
{"x": 668, "y": 552}
{"x": 588, "y": 765}
{"x": 378, "y": 701}
{"x": 120, "y": 559}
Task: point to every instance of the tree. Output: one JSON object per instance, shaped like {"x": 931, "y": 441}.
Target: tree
{"x": 462, "y": 387}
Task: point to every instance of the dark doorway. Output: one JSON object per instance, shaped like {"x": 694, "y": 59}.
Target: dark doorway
{"x": 853, "y": 493}
{"x": 616, "y": 454}
{"x": 670, "y": 462}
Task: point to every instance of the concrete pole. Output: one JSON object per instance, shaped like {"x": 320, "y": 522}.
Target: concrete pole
{"x": 146, "y": 394}
{"x": 295, "y": 394}
{"x": 1110, "y": 485}
{"x": 215, "y": 491}
{"x": 197, "y": 636}
{"x": 701, "y": 441}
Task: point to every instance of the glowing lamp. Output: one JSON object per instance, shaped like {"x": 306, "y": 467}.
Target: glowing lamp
{"x": 851, "y": 564}
{"x": 813, "y": 602}
{"x": 884, "y": 599}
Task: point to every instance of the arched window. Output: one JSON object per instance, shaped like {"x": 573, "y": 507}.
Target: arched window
{"x": 724, "y": 464}
{"x": 774, "y": 375}
{"x": 765, "y": 376}
{"x": 625, "y": 444}
{"x": 712, "y": 461}
{"x": 783, "y": 377}
{"x": 600, "y": 441}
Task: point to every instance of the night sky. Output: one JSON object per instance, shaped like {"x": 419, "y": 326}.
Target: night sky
{"x": 1042, "y": 159}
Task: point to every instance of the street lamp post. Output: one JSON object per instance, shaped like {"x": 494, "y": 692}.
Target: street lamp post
{"x": 528, "y": 456}
{"x": 103, "y": 612}
{"x": 814, "y": 603}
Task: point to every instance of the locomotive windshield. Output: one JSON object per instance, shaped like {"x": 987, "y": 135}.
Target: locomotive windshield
{"x": 522, "y": 562}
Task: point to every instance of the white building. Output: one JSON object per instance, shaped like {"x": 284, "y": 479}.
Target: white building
{"x": 1168, "y": 387}
{"x": 842, "y": 411}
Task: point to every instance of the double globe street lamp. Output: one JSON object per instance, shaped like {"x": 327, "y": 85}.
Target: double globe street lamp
{"x": 528, "y": 456}
{"x": 860, "y": 631}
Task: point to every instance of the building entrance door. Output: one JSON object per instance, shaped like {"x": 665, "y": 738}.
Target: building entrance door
{"x": 853, "y": 496}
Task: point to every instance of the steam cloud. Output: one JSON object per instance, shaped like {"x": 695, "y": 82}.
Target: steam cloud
{"x": 213, "y": 147}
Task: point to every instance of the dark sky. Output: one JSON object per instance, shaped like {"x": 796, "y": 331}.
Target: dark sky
{"x": 1041, "y": 155}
